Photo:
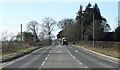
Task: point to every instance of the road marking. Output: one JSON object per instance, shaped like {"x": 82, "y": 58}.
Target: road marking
{"x": 71, "y": 54}
{"x": 76, "y": 58}
{"x": 59, "y": 51}
{"x": 97, "y": 53}
{"x": 73, "y": 57}
{"x": 79, "y": 61}
{"x": 76, "y": 51}
{"x": 43, "y": 63}
{"x": 100, "y": 55}
{"x": 9, "y": 63}
{"x": 86, "y": 67}
{"x": 46, "y": 58}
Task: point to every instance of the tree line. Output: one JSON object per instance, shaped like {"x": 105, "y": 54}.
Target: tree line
{"x": 76, "y": 29}
{"x": 44, "y": 35}
{"x": 73, "y": 29}
{"x": 35, "y": 32}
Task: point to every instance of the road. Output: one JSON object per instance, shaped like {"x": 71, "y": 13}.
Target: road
{"x": 62, "y": 57}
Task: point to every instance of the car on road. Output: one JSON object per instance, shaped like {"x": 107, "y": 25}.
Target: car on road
{"x": 64, "y": 41}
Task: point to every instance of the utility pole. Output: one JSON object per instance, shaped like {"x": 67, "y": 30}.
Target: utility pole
{"x": 93, "y": 31}
{"x": 21, "y": 34}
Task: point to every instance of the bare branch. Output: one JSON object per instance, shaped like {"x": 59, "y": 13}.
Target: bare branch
{"x": 48, "y": 25}
{"x": 33, "y": 26}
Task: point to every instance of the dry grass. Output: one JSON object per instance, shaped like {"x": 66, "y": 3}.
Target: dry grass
{"x": 106, "y": 51}
{"x": 11, "y": 55}
{"x": 12, "y": 49}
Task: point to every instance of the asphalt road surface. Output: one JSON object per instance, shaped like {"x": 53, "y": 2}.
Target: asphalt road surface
{"x": 63, "y": 57}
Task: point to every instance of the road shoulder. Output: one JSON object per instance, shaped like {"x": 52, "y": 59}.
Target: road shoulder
{"x": 100, "y": 54}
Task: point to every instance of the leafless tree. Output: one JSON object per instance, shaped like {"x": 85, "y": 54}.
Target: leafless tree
{"x": 33, "y": 26}
{"x": 4, "y": 36}
{"x": 12, "y": 36}
{"x": 18, "y": 37}
{"x": 42, "y": 34}
{"x": 48, "y": 25}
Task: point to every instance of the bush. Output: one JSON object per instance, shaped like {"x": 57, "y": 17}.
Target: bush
{"x": 117, "y": 34}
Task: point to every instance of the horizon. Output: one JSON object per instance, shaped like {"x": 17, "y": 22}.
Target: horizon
{"x": 23, "y": 12}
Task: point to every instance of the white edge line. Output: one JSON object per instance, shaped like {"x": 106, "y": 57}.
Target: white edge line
{"x": 73, "y": 57}
{"x": 101, "y": 55}
{"x": 98, "y": 53}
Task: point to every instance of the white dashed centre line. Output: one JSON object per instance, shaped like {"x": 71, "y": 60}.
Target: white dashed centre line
{"x": 76, "y": 51}
{"x": 59, "y": 51}
{"x": 43, "y": 63}
{"x": 46, "y": 58}
{"x": 86, "y": 67}
{"x": 75, "y": 58}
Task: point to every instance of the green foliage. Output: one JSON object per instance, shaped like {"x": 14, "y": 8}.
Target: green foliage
{"x": 85, "y": 19}
{"x": 117, "y": 34}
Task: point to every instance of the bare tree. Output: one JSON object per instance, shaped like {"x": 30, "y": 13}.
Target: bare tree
{"x": 33, "y": 26}
{"x": 12, "y": 36}
{"x": 4, "y": 36}
{"x": 18, "y": 37}
{"x": 42, "y": 34}
{"x": 48, "y": 24}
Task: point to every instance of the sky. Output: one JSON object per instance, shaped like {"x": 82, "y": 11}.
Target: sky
{"x": 119, "y": 13}
{"x": 12, "y": 14}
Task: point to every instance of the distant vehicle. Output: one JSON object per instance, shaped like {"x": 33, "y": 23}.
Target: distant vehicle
{"x": 64, "y": 41}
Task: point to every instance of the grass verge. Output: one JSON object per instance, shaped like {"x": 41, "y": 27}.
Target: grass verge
{"x": 105, "y": 51}
{"x": 11, "y": 56}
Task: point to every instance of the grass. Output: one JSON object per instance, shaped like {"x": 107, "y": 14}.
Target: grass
{"x": 105, "y": 51}
{"x": 11, "y": 55}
